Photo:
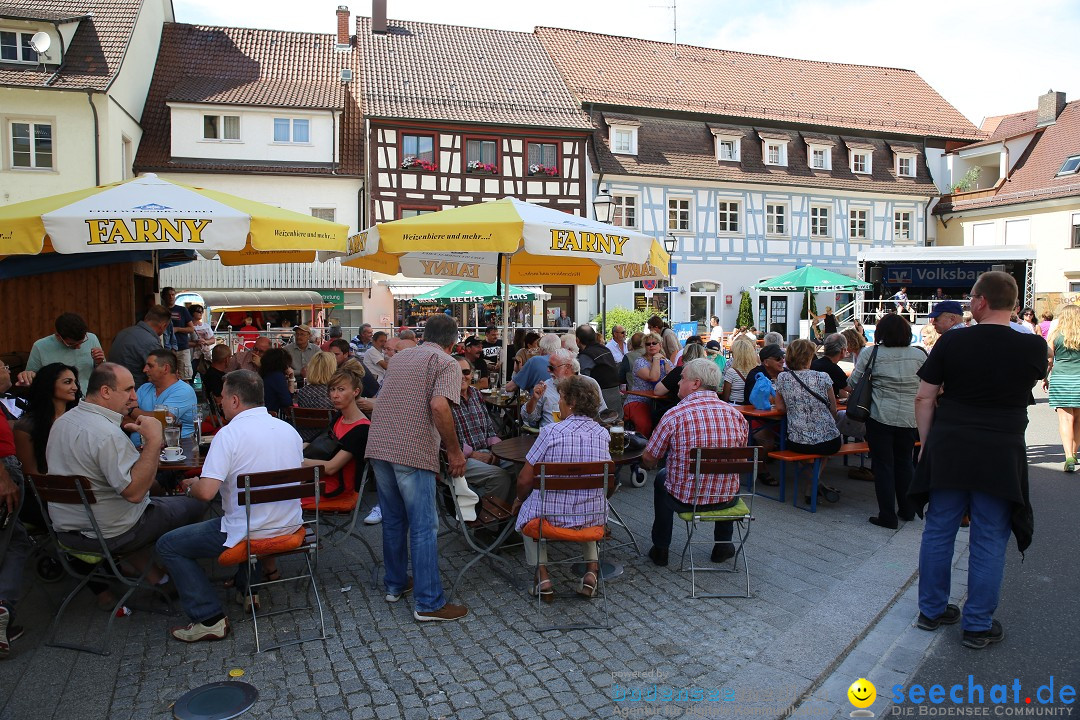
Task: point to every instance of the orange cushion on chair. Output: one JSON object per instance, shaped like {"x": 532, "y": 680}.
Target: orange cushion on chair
{"x": 342, "y": 503}
{"x": 238, "y": 553}
{"x": 553, "y": 532}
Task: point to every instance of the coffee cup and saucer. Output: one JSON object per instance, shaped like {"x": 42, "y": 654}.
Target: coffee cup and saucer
{"x": 173, "y": 454}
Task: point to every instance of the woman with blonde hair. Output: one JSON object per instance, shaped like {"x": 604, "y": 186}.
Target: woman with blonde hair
{"x": 744, "y": 358}
{"x": 856, "y": 341}
{"x": 1063, "y": 380}
{"x": 648, "y": 371}
{"x": 929, "y": 335}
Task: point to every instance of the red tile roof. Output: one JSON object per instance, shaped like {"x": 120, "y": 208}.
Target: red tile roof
{"x": 685, "y": 149}
{"x": 249, "y": 67}
{"x": 629, "y": 72}
{"x": 426, "y": 71}
{"x": 1034, "y": 177}
{"x": 93, "y": 58}
{"x": 1004, "y": 127}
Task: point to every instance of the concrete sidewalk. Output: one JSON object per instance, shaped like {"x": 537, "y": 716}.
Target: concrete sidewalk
{"x": 819, "y": 582}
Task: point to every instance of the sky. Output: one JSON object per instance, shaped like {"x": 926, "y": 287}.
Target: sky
{"x": 987, "y": 58}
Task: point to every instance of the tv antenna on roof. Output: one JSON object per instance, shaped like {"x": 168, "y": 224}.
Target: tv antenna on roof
{"x": 673, "y": 7}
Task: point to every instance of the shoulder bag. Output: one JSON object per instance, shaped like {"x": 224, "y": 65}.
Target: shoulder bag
{"x": 861, "y": 397}
{"x": 807, "y": 389}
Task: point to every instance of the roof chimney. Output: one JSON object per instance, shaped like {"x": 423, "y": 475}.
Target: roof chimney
{"x": 378, "y": 17}
{"x": 342, "y": 27}
{"x": 1050, "y": 106}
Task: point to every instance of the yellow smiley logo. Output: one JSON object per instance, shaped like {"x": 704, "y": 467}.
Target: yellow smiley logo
{"x": 862, "y": 693}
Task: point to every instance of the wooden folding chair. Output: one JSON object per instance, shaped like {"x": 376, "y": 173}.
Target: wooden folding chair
{"x": 720, "y": 461}
{"x": 309, "y": 422}
{"x": 556, "y": 477}
{"x": 275, "y": 486}
{"x": 77, "y": 490}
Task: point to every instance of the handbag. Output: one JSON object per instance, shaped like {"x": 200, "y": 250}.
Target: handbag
{"x": 324, "y": 446}
{"x": 858, "y": 407}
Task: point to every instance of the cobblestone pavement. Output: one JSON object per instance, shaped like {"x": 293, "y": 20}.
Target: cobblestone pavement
{"x": 819, "y": 582}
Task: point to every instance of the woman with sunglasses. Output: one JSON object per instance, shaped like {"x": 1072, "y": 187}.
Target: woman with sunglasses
{"x": 649, "y": 369}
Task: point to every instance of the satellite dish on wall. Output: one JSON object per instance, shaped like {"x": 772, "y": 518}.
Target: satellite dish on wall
{"x": 41, "y": 42}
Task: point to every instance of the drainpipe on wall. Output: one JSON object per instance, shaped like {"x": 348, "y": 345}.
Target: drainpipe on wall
{"x": 97, "y": 138}
{"x": 601, "y": 289}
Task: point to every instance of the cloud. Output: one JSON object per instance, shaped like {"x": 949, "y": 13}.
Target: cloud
{"x": 994, "y": 57}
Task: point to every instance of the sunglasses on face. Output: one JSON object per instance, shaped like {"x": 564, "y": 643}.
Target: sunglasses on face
{"x": 553, "y": 368}
{"x": 651, "y": 343}
{"x": 466, "y": 372}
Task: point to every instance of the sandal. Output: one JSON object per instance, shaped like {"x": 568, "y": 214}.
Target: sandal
{"x": 587, "y": 587}
{"x": 829, "y": 493}
{"x": 545, "y": 590}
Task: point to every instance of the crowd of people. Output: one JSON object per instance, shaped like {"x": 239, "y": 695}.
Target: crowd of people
{"x": 397, "y": 404}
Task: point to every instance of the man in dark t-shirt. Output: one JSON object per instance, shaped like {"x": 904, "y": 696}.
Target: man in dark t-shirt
{"x": 971, "y": 409}
{"x": 833, "y": 350}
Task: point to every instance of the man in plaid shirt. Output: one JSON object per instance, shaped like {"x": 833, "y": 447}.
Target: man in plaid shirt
{"x": 477, "y": 434}
{"x": 701, "y": 419}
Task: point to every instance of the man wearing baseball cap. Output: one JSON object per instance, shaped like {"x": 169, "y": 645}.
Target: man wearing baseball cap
{"x": 946, "y": 315}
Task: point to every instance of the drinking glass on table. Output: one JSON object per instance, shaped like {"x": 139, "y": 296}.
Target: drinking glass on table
{"x": 161, "y": 413}
{"x": 172, "y": 437}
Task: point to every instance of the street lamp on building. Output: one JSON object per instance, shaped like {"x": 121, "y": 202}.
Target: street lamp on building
{"x": 603, "y": 206}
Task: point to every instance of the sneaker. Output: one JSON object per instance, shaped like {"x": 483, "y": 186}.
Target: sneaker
{"x": 394, "y": 597}
{"x": 374, "y": 517}
{"x": 197, "y": 632}
{"x": 444, "y": 614}
{"x": 722, "y": 552}
{"x": 978, "y": 639}
{"x": 1070, "y": 465}
{"x": 949, "y": 617}
{"x": 5, "y": 626}
{"x": 243, "y": 599}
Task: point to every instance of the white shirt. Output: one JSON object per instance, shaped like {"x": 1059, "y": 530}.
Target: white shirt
{"x": 372, "y": 358}
{"x": 252, "y": 442}
{"x": 717, "y": 334}
{"x": 617, "y": 351}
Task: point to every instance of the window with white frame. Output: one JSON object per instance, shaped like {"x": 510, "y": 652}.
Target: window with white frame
{"x": 727, "y": 148}
{"x": 820, "y": 157}
{"x": 543, "y": 155}
{"x": 623, "y": 140}
{"x": 221, "y": 127}
{"x": 15, "y": 47}
{"x": 625, "y": 210}
{"x": 859, "y": 224}
{"x": 727, "y": 216}
{"x": 776, "y": 222}
{"x": 905, "y": 166}
{"x": 861, "y": 161}
{"x": 292, "y": 130}
{"x": 31, "y": 145}
{"x": 1075, "y": 238}
{"x": 1071, "y": 166}
{"x": 902, "y": 226}
{"x": 819, "y": 221}
{"x": 775, "y": 152}
{"x": 324, "y": 213}
{"x": 679, "y": 213}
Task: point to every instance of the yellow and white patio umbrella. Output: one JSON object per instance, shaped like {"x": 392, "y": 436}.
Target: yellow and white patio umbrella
{"x": 149, "y": 213}
{"x": 537, "y": 244}
{"x": 534, "y": 245}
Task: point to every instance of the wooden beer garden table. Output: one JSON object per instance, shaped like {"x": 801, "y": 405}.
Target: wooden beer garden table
{"x": 515, "y": 449}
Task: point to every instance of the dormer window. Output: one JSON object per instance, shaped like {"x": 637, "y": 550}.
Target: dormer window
{"x": 820, "y": 157}
{"x": 623, "y": 140}
{"x": 862, "y": 162}
{"x": 727, "y": 147}
{"x": 905, "y": 165}
{"x": 15, "y": 47}
{"x": 776, "y": 152}
{"x": 221, "y": 127}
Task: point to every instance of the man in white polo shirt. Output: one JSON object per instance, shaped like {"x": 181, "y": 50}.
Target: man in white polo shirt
{"x": 252, "y": 441}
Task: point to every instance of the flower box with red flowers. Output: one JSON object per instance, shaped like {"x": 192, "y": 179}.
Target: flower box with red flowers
{"x": 538, "y": 169}
{"x": 415, "y": 163}
{"x": 475, "y": 166}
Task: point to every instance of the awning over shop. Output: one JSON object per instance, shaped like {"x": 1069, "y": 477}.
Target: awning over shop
{"x": 408, "y": 292}
{"x": 219, "y": 300}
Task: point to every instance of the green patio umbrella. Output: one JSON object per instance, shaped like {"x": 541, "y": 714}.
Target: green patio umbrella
{"x": 463, "y": 291}
{"x": 810, "y": 279}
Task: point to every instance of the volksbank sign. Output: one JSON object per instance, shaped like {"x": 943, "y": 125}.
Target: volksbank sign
{"x": 935, "y": 274}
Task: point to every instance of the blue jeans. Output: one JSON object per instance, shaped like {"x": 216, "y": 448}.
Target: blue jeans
{"x": 990, "y": 530}
{"x": 407, "y": 499}
{"x": 180, "y": 551}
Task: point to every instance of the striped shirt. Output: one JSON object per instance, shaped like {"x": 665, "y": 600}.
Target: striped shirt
{"x": 700, "y": 420}
{"x": 402, "y": 428}
{"x": 575, "y": 439}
